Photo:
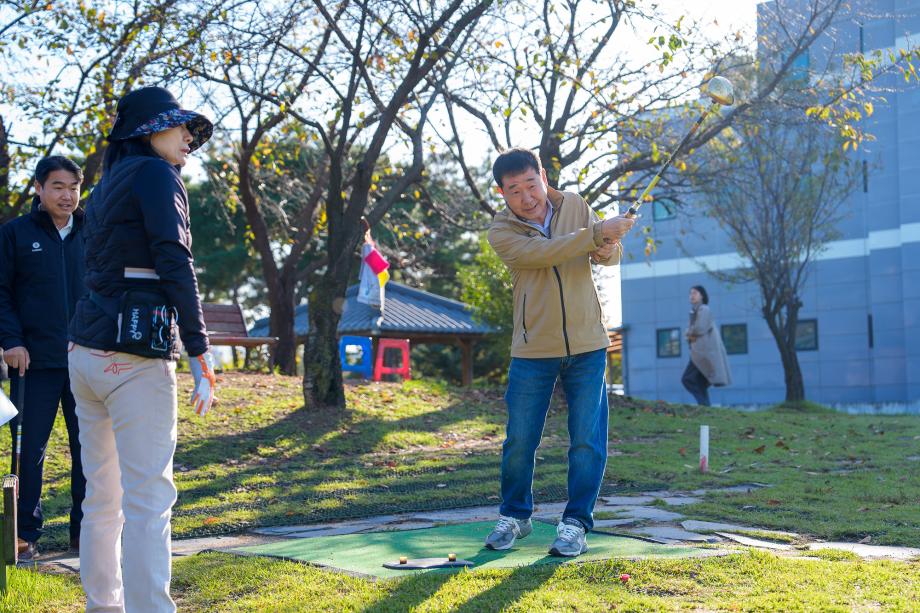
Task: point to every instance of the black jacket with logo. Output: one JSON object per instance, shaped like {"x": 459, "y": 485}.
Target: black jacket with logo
{"x": 41, "y": 279}
{"x": 137, "y": 218}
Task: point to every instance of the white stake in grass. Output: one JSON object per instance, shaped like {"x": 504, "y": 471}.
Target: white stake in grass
{"x": 704, "y": 449}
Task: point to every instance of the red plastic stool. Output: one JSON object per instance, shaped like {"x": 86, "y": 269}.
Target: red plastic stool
{"x": 402, "y": 344}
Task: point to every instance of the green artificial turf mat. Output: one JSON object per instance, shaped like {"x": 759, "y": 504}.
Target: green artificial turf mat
{"x": 366, "y": 553}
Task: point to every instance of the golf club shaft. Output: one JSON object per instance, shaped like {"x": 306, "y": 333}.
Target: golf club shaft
{"x": 20, "y": 401}
{"x": 634, "y": 209}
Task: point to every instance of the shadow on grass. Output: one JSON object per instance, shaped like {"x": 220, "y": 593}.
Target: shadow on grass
{"x": 418, "y": 589}
{"x": 318, "y": 449}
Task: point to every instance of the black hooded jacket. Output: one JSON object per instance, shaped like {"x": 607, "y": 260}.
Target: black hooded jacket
{"x": 137, "y": 218}
{"x": 41, "y": 279}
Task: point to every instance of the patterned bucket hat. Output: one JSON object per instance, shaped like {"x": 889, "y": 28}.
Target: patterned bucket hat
{"x": 153, "y": 109}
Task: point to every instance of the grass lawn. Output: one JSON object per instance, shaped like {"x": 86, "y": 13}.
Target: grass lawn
{"x": 752, "y": 581}
{"x": 260, "y": 458}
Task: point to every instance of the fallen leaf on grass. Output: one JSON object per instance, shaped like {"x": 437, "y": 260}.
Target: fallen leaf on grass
{"x": 781, "y": 444}
{"x": 760, "y": 449}
{"x": 211, "y": 520}
{"x": 773, "y": 502}
{"x": 682, "y": 451}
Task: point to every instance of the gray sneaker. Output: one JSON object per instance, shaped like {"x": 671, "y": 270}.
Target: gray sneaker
{"x": 570, "y": 539}
{"x": 506, "y": 531}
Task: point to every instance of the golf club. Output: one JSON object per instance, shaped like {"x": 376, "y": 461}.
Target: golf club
{"x": 721, "y": 92}
{"x": 20, "y": 406}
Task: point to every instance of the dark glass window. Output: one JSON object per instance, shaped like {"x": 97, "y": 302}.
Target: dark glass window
{"x": 806, "y": 335}
{"x": 669, "y": 343}
{"x": 663, "y": 209}
{"x": 734, "y": 336}
{"x": 799, "y": 69}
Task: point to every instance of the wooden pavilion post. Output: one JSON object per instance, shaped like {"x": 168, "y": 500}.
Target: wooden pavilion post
{"x": 466, "y": 346}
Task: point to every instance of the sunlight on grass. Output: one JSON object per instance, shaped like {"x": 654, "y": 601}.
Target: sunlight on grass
{"x": 41, "y": 593}
{"x": 260, "y": 458}
{"x": 750, "y": 581}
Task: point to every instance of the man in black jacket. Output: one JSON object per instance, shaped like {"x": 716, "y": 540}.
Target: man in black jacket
{"x": 41, "y": 279}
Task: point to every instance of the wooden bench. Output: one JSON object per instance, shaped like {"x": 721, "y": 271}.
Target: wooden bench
{"x": 226, "y": 326}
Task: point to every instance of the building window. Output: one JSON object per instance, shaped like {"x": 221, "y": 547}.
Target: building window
{"x": 799, "y": 68}
{"x": 806, "y": 335}
{"x": 669, "y": 343}
{"x": 663, "y": 209}
{"x": 734, "y": 337}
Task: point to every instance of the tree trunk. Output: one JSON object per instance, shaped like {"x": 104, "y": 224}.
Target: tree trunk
{"x": 795, "y": 385}
{"x": 551, "y": 160}
{"x": 281, "y": 325}
{"x": 322, "y": 371}
{"x": 4, "y": 173}
{"x": 784, "y": 335}
{"x": 92, "y": 166}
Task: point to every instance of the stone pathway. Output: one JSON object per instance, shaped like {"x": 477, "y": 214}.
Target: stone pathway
{"x": 651, "y": 516}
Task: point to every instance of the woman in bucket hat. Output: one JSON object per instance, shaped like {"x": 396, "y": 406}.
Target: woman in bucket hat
{"x": 143, "y": 290}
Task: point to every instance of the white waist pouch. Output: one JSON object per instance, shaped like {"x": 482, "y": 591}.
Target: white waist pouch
{"x": 7, "y": 408}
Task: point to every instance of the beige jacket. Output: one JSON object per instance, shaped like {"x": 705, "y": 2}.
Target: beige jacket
{"x": 556, "y": 309}
{"x": 707, "y": 352}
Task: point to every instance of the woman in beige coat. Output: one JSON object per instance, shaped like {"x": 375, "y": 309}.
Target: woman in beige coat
{"x": 708, "y": 361}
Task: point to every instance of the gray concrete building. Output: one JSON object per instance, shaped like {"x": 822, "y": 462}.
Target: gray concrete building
{"x": 859, "y": 331}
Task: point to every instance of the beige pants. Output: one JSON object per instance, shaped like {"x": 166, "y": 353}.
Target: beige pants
{"x": 126, "y": 407}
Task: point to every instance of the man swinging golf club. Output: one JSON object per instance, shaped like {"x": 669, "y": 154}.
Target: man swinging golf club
{"x": 546, "y": 238}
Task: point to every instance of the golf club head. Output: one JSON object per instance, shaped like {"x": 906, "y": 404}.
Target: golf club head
{"x": 720, "y": 90}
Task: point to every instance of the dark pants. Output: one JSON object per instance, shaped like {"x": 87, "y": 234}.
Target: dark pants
{"x": 45, "y": 390}
{"x": 530, "y": 388}
{"x": 696, "y": 383}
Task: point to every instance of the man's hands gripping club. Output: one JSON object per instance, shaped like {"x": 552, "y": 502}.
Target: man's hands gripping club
{"x": 202, "y": 368}
{"x": 613, "y": 230}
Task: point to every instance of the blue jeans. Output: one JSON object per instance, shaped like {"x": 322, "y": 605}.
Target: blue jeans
{"x": 696, "y": 383}
{"x": 530, "y": 387}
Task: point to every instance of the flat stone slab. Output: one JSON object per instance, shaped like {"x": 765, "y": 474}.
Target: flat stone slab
{"x": 743, "y": 488}
{"x": 713, "y": 526}
{"x": 871, "y": 551}
{"x": 187, "y": 547}
{"x": 610, "y": 523}
{"x": 349, "y": 526}
{"x": 180, "y": 548}
{"x": 661, "y": 494}
{"x": 65, "y": 561}
{"x": 674, "y": 534}
{"x": 548, "y": 507}
{"x": 650, "y": 513}
{"x": 454, "y": 515}
{"x": 751, "y": 542}
{"x": 627, "y": 500}
{"x": 676, "y": 501}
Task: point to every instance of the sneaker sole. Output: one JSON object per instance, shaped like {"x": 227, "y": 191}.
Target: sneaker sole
{"x": 555, "y": 552}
